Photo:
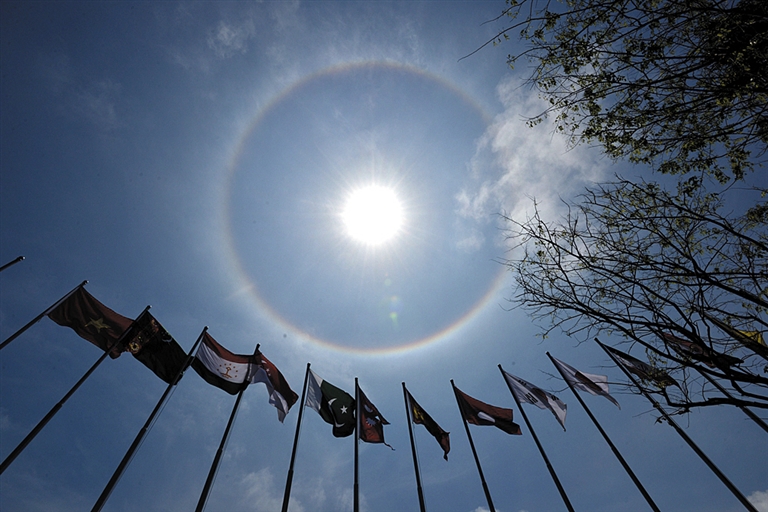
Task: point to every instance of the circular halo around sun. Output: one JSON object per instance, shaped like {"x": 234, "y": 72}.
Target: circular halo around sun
{"x": 372, "y": 215}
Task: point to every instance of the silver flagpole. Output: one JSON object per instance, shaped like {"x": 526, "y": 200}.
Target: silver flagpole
{"x": 736, "y": 492}
{"x": 608, "y": 440}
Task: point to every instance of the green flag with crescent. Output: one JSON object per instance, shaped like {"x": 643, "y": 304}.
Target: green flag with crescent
{"x": 334, "y": 405}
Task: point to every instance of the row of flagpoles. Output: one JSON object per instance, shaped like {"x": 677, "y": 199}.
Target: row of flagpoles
{"x": 151, "y": 344}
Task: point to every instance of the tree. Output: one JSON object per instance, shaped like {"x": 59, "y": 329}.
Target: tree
{"x": 668, "y": 271}
{"x": 680, "y": 85}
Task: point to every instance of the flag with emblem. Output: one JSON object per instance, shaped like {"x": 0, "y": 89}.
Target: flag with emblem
{"x": 334, "y": 405}
{"x": 371, "y": 421}
{"x": 525, "y": 392}
{"x": 644, "y": 371}
{"x": 281, "y": 396}
{"x": 591, "y": 383}
{"x": 479, "y": 413}
{"x": 151, "y": 344}
{"x": 220, "y": 367}
{"x": 699, "y": 352}
{"x": 91, "y": 320}
{"x": 420, "y": 417}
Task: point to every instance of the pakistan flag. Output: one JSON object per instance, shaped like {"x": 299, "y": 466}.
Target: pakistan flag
{"x": 334, "y": 405}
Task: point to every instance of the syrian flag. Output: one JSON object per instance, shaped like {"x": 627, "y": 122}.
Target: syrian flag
{"x": 526, "y": 392}
{"x": 281, "y": 396}
{"x": 479, "y": 413}
{"x": 593, "y": 384}
{"x": 334, "y": 405}
{"x": 221, "y": 368}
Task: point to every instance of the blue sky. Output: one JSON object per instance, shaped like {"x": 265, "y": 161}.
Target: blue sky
{"x": 197, "y": 157}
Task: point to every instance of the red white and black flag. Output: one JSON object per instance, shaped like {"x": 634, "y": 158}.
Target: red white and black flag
{"x": 233, "y": 372}
{"x": 479, "y": 413}
{"x": 222, "y": 368}
{"x": 91, "y": 320}
{"x": 281, "y": 396}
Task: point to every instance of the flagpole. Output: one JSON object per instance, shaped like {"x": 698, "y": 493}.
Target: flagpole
{"x": 289, "y": 479}
{"x": 474, "y": 452}
{"x": 559, "y": 486}
{"x": 422, "y": 507}
{"x": 754, "y": 417}
{"x": 42, "y": 423}
{"x": 140, "y": 436}
{"x": 356, "y": 487}
{"x": 41, "y": 315}
{"x": 615, "y": 450}
{"x": 744, "y": 501}
{"x": 220, "y": 451}
{"x": 11, "y": 263}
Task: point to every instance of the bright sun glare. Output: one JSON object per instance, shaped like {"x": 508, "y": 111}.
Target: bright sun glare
{"x": 373, "y": 215}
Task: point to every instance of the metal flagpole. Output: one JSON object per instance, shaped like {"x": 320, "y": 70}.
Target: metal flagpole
{"x": 140, "y": 436}
{"x": 289, "y": 479}
{"x": 754, "y": 417}
{"x": 215, "y": 465}
{"x": 559, "y": 486}
{"x": 474, "y": 452}
{"x": 11, "y": 263}
{"x": 41, "y": 315}
{"x": 744, "y": 501}
{"x": 422, "y": 507}
{"x": 608, "y": 440}
{"x": 356, "y": 487}
{"x": 15, "y": 453}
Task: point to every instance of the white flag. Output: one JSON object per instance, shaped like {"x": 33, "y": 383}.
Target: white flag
{"x": 594, "y": 384}
{"x": 526, "y": 392}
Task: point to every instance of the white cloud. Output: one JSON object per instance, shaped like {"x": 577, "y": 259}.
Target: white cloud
{"x": 515, "y": 164}
{"x": 760, "y": 500}
{"x": 227, "y": 39}
{"x": 263, "y": 495}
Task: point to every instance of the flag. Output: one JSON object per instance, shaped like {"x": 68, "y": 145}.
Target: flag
{"x": 91, "y": 320}
{"x": 593, "y": 384}
{"x": 525, "y": 392}
{"x": 220, "y": 367}
{"x": 644, "y": 371}
{"x": 420, "y": 417}
{"x": 751, "y": 339}
{"x": 479, "y": 413}
{"x": 371, "y": 421}
{"x": 334, "y": 405}
{"x": 699, "y": 352}
{"x": 281, "y": 396}
{"x": 151, "y": 344}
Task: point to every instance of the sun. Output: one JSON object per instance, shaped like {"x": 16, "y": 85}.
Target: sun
{"x": 373, "y": 215}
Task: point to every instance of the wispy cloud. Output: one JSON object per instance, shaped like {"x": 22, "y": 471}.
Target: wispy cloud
{"x": 229, "y": 38}
{"x": 760, "y": 500}
{"x": 515, "y": 164}
{"x": 262, "y": 494}
{"x": 96, "y": 101}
